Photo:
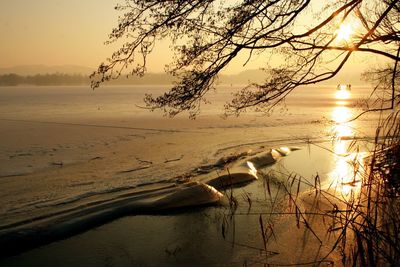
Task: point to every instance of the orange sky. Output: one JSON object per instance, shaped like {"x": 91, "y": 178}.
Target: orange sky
{"x": 55, "y": 32}
{"x": 60, "y": 32}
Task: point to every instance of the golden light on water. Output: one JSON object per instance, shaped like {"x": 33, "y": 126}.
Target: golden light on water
{"x": 345, "y": 177}
{"x": 342, "y": 127}
{"x": 341, "y": 114}
{"x": 343, "y": 94}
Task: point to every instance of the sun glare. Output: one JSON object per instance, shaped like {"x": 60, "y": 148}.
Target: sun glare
{"x": 346, "y": 174}
{"x": 344, "y": 32}
{"x": 342, "y": 94}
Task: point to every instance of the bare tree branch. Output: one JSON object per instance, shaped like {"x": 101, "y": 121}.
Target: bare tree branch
{"x": 208, "y": 35}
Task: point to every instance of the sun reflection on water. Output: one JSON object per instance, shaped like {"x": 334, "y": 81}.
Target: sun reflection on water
{"x": 345, "y": 175}
{"x": 343, "y": 94}
{"x": 340, "y": 117}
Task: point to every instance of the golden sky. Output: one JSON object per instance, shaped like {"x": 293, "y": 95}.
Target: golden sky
{"x": 55, "y": 32}
{"x": 60, "y": 32}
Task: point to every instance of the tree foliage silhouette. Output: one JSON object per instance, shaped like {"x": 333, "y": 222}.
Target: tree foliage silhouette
{"x": 207, "y": 35}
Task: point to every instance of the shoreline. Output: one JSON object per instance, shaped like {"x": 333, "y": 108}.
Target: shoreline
{"x": 141, "y": 200}
{"x": 113, "y": 212}
{"x": 285, "y": 226}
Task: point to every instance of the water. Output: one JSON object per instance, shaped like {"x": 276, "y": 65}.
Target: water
{"x": 65, "y": 148}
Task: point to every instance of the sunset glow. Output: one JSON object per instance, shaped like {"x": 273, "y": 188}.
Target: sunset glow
{"x": 175, "y": 133}
{"x": 342, "y": 95}
{"x": 344, "y": 32}
{"x": 346, "y": 174}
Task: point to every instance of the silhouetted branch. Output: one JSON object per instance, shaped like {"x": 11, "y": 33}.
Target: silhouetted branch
{"x": 207, "y": 36}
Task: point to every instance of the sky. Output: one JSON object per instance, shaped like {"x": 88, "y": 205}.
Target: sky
{"x": 55, "y": 32}
{"x": 60, "y": 32}
{"x": 52, "y": 31}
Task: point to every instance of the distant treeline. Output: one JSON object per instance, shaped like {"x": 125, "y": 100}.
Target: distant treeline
{"x": 58, "y": 78}
{"x": 43, "y": 79}
{"x": 78, "y": 79}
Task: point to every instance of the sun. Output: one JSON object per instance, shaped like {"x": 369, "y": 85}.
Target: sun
{"x": 344, "y": 32}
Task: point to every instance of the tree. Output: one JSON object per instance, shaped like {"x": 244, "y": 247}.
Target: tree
{"x": 207, "y": 35}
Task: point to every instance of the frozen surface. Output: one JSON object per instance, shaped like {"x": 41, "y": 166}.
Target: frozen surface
{"x": 65, "y": 149}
